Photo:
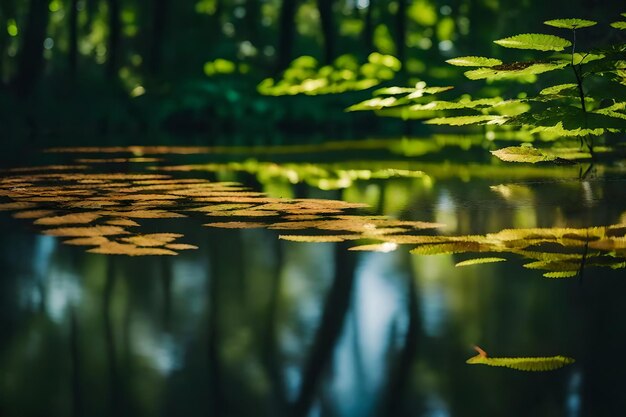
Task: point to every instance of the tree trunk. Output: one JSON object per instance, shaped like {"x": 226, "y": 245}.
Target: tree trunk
{"x": 401, "y": 31}
{"x": 252, "y": 19}
{"x": 159, "y": 23}
{"x": 325, "y": 8}
{"x": 73, "y": 52}
{"x": 115, "y": 30}
{"x": 30, "y": 62}
{"x": 286, "y": 33}
{"x": 368, "y": 29}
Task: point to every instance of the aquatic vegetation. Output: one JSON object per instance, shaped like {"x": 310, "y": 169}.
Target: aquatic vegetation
{"x": 534, "y": 364}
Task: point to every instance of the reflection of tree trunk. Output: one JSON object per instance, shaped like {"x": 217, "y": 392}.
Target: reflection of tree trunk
{"x": 77, "y": 408}
{"x": 73, "y": 52}
{"x": 216, "y": 397}
{"x": 286, "y": 33}
{"x": 269, "y": 343}
{"x": 115, "y": 31}
{"x": 335, "y": 310}
{"x": 368, "y": 29}
{"x": 166, "y": 286}
{"x": 325, "y": 8}
{"x": 400, "y": 372}
{"x": 31, "y": 57}
{"x": 109, "y": 340}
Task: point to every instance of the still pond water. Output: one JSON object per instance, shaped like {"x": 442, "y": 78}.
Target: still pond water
{"x": 330, "y": 280}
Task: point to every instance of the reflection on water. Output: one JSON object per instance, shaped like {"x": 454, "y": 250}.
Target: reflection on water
{"x": 242, "y": 322}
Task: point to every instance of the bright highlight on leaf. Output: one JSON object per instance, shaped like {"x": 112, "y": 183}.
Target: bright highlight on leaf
{"x": 556, "y": 89}
{"x": 522, "y": 154}
{"x": 534, "y": 364}
{"x": 619, "y": 25}
{"x": 536, "y": 41}
{"x": 478, "y": 261}
{"x": 474, "y": 61}
{"x": 570, "y": 23}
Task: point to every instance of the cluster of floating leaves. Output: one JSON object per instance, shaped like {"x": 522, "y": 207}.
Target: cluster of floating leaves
{"x": 104, "y": 210}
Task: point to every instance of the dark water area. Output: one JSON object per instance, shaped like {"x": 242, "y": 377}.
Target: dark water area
{"x": 224, "y": 282}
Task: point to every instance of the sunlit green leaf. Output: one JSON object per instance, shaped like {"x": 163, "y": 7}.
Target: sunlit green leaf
{"x": 560, "y": 274}
{"x": 619, "y": 25}
{"x": 523, "y": 363}
{"x": 522, "y": 154}
{"x": 474, "y": 61}
{"x": 556, "y": 89}
{"x": 535, "y": 41}
{"x": 570, "y": 23}
{"x": 514, "y": 70}
{"x": 467, "y": 120}
{"x": 478, "y": 261}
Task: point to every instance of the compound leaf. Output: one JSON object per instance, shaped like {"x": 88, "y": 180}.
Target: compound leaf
{"x": 536, "y": 41}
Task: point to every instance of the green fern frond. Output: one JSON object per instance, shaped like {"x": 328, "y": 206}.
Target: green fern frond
{"x": 534, "y": 364}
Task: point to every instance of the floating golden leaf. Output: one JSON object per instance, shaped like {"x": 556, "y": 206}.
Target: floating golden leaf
{"x": 16, "y": 205}
{"x": 314, "y": 238}
{"x": 236, "y": 225}
{"x": 33, "y": 214}
{"x": 86, "y": 231}
{"x": 74, "y": 218}
{"x": 180, "y": 246}
{"x": 122, "y": 222}
{"x": 87, "y": 241}
{"x": 143, "y": 214}
{"x": 116, "y": 248}
{"x": 155, "y": 239}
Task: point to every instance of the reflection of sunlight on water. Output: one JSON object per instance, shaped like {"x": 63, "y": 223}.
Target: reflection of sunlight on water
{"x": 436, "y": 407}
{"x": 189, "y": 284}
{"x": 360, "y": 357}
{"x": 573, "y": 400}
{"x": 55, "y": 288}
{"x": 305, "y": 277}
{"x": 162, "y": 350}
{"x": 431, "y": 272}
{"x": 445, "y": 212}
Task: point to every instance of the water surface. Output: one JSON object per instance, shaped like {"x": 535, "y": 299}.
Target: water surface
{"x": 295, "y": 281}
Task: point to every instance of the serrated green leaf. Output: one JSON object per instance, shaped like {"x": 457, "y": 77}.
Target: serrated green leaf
{"x": 468, "y": 120}
{"x": 619, "y": 25}
{"x": 535, "y": 41}
{"x": 561, "y": 274}
{"x": 373, "y": 104}
{"x": 537, "y": 364}
{"x": 570, "y": 23}
{"x": 478, "y": 261}
{"x": 449, "y": 105}
{"x": 556, "y": 89}
{"x": 428, "y": 90}
{"x": 393, "y": 91}
{"x": 474, "y": 61}
{"x": 522, "y": 154}
{"x": 514, "y": 70}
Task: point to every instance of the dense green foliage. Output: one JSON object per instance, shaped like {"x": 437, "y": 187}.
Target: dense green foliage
{"x": 78, "y": 66}
{"x": 591, "y": 107}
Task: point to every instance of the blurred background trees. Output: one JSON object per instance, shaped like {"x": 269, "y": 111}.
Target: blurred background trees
{"x": 120, "y": 65}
